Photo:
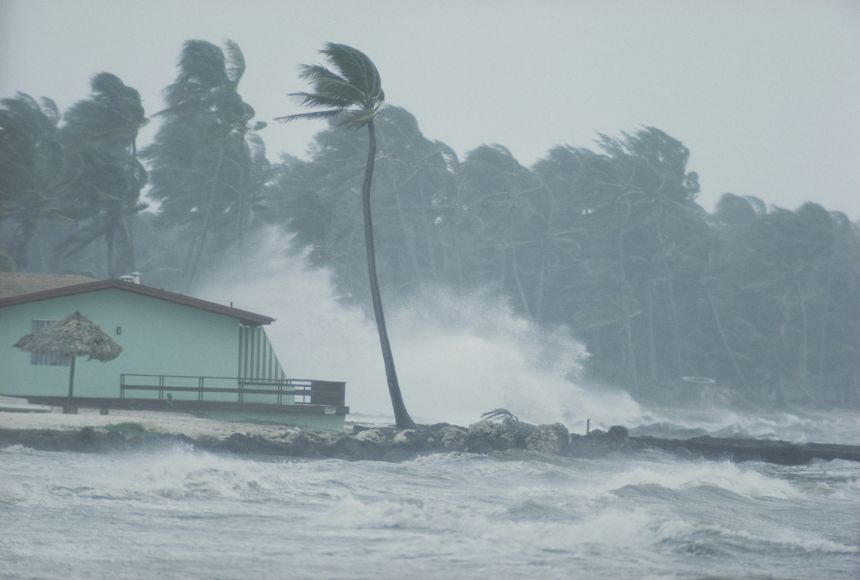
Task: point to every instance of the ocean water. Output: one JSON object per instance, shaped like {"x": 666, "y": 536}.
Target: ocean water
{"x": 178, "y": 513}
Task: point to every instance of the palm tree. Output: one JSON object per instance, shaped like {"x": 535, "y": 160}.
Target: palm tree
{"x": 353, "y": 94}
{"x": 203, "y": 157}
{"x": 100, "y": 133}
{"x": 32, "y": 163}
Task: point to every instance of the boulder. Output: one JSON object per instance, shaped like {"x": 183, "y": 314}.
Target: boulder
{"x": 452, "y": 438}
{"x": 618, "y": 434}
{"x": 349, "y": 447}
{"x": 596, "y": 434}
{"x": 550, "y": 439}
{"x": 405, "y": 437}
{"x": 412, "y": 439}
{"x": 371, "y": 436}
{"x": 298, "y": 444}
{"x": 485, "y": 436}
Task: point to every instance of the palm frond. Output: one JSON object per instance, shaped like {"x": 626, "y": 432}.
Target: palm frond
{"x": 235, "y": 62}
{"x": 319, "y": 100}
{"x": 329, "y": 84}
{"x": 49, "y": 107}
{"x": 311, "y": 115}
{"x": 358, "y": 118}
{"x": 356, "y": 67}
{"x": 353, "y": 88}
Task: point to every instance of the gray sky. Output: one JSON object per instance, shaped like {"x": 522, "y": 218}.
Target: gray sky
{"x": 765, "y": 93}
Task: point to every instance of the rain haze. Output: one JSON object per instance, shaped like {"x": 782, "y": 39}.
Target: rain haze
{"x": 763, "y": 93}
{"x": 577, "y": 296}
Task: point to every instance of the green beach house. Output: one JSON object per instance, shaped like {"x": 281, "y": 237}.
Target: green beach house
{"x": 179, "y": 353}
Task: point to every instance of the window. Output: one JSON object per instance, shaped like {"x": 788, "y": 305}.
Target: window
{"x": 47, "y": 358}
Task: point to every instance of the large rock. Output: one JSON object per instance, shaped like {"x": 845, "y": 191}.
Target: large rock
{"x": 452, "y": 438}
{"x": 372, "y": 436}
{"x": 550, "y": 439}
{"x": 618, "y": 434}
{"x": 406, "y": 437}
{"x": 298, "y": 444}
{"x": 414, "y": 440}
{"x": 349, "y": 447}
{"x": 485, "y": 436}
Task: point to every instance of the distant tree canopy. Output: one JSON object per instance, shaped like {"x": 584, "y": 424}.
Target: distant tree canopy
{"x": 608, "y": 240}
{"x": 207, "y": 162}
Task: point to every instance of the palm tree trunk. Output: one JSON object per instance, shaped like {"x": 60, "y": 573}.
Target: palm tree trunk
{"x": 128, "y": 240}
{"x": 200, "y": 242}
{"x": 109, "y": 240}
{"x": 725, "y": 339}
{"x": 629, "y": 353}
{"x": 21, "y": 244}
{"x": 430, "y": 239}
{"x": 515, "y": 270}
{"x": 401, "y": 415}
{"x": 652, "y": 343}
{"x": 409, "y": 236}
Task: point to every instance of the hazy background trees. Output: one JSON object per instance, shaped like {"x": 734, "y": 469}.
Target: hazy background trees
{"x": 607, "y": 240}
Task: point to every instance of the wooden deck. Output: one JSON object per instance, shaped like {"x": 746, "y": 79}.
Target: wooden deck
{"x": 224, "y": 394}
{"x": 179, "y": 387}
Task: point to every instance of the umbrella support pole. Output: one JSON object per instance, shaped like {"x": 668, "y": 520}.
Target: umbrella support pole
{"x": 69, "y": 408}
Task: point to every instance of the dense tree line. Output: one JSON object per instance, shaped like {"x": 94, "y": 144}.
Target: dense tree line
{"x": 608, "y": 240}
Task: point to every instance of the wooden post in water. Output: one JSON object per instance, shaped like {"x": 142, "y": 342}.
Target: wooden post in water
{"x": 587, "y": 426}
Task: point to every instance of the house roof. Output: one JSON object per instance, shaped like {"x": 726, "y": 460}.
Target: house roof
{"x": 243, "y": 316}
{"x": 14, "y": 283}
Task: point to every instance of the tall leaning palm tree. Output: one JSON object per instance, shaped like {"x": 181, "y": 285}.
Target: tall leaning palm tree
{"x": 351, "y": 92}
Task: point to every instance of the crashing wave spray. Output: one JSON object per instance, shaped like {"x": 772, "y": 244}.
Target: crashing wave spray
{"x": 457, "y": 355}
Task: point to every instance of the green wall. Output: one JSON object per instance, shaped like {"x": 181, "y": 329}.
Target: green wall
{"x": 158, "y": 337}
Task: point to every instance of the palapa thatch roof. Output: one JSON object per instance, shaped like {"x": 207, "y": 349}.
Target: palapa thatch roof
{"x": 75, "y": 335}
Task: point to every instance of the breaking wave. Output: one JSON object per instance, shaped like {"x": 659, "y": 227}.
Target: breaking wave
{"x": 457, "y": 354}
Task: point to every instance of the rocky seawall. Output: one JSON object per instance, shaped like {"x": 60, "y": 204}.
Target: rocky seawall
{"x": 391, "y": 444}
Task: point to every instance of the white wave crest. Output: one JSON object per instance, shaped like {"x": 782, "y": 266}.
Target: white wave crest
{"x": 457, "y": 354}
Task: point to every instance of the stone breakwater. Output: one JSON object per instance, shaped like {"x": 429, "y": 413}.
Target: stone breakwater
{"x": 392, "y": 444}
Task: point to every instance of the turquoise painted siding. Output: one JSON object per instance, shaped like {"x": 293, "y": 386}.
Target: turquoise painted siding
{"x": 158, "y": 337}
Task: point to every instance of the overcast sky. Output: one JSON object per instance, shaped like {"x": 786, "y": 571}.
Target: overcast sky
{"x": 765, "y": 93}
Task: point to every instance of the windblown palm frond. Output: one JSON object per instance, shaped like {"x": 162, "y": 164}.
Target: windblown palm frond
{"x": 356, "y": 68}
{"x": 234, "y": 62}
{"x": 350, "y": 90}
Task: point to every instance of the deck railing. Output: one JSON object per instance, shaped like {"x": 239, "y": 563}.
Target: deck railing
{"x": 271, "y": 391}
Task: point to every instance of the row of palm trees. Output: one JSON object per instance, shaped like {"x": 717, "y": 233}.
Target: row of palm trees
{"x": 84, "y": 174}
{"x": 609, "y": 241}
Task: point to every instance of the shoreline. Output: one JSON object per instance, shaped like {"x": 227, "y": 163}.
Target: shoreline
{"x": 90, "y": 432}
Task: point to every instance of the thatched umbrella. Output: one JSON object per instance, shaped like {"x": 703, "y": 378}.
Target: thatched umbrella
{"x": 74, "y": 336}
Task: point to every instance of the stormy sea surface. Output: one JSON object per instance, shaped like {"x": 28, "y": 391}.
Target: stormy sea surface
{"x": 179, "y": 513}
